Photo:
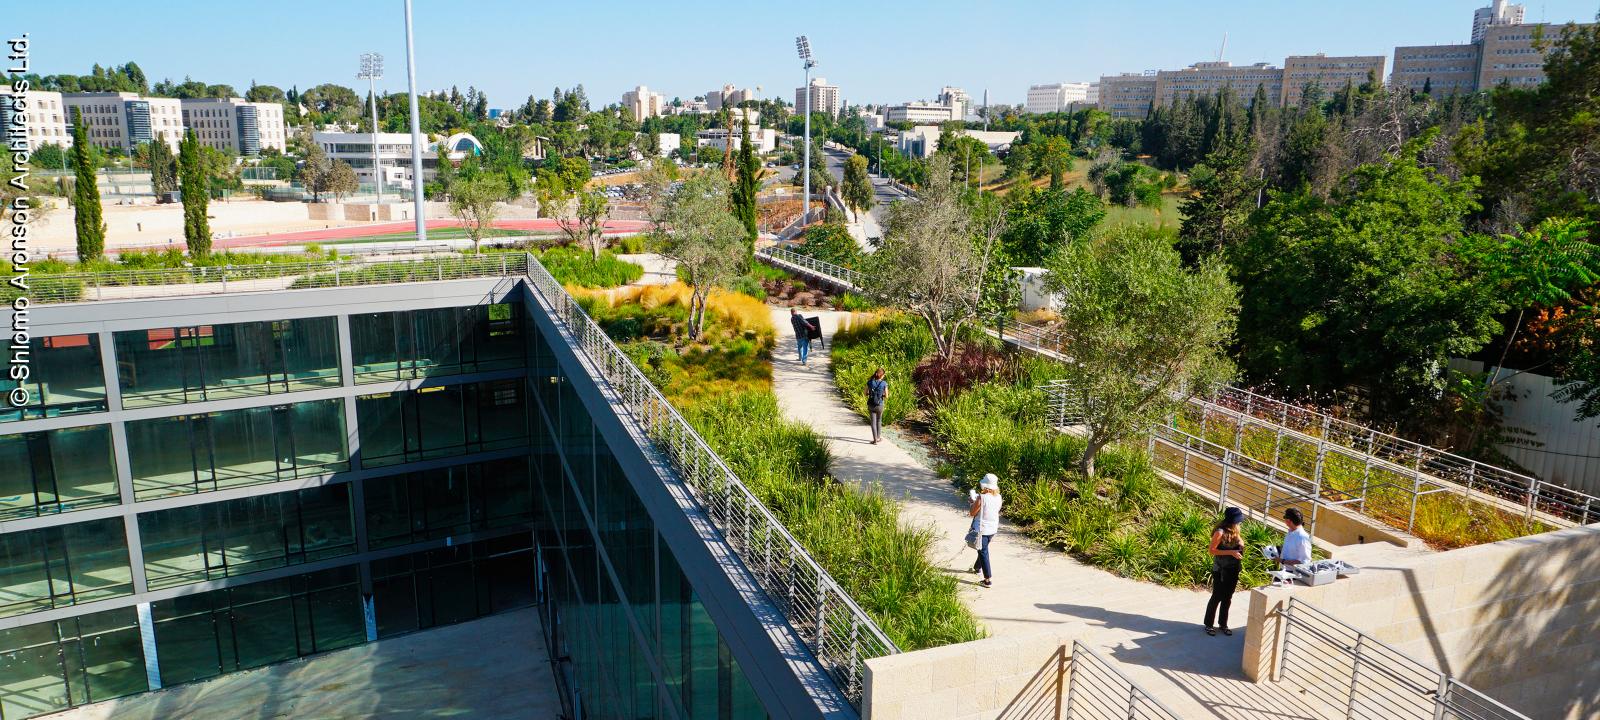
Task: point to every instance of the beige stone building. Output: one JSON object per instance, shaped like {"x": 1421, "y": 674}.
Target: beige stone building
{"x": 1128, "y": 95}
{"x": 123, "y": 120}
{"x": 46, "y": 117}
{"x": 235, "y": 125}
{"x": 1207, "y": 78}
{"x": 824, "y": 97}
{"x": 1329, "y": 73}
{"x": 1442, "y": 70}
{"x": 641, "y": 102}
{"x": 1512, "y": 54}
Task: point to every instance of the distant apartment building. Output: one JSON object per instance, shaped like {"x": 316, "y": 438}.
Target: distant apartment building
{"x": 1498, "y": 13}
{"x": 44, "y": 115}
{"x": 1509, "y": 54}
{"x": 764, "y": 140}
{"x": 1440, "y": 70}
{"x": 1207, "y": 78}
{"x": 1056, "y": 97}
{"x": 123, "y": 120}
{"x": 642, "y": 103}
{"x": 1328, "y": 73}
{"x": 728, "y": 95}
{"x": 236, "y": 125}
{"x": 956, "y": 99}
{"x": 1128, "y": 95}
{"x": 824, "y": 97}
{"x": 920, "y": 113}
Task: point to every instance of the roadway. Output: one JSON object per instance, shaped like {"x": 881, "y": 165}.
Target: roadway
{"x": 884, "y": 193}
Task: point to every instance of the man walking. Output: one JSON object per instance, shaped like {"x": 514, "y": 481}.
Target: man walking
{"x": 802, "y": 333}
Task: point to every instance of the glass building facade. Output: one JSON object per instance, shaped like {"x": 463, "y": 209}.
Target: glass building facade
{"x": 260, "y": 486}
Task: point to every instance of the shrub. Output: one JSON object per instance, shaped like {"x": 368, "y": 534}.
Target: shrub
{"x": 851, "y": 302}
{"x": 830, "y": 242}
{"x": 864, "y": 343}
{"x": 571, "y": 266}
{"x": 938, "y": 379}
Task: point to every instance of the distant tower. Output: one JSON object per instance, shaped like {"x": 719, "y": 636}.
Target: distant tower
{"x": 1498, "y": 13}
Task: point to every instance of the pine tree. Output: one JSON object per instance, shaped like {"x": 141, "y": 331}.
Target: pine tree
{"x": 87, "y": 217}
{"x": 196, "y": 196}
{"x": 747, "y": 184}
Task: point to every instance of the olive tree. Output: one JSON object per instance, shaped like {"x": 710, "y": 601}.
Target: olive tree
{"x": 705, "y": 238}
{"x": 1143, "y": 332}
{"x": 933, "y": 257}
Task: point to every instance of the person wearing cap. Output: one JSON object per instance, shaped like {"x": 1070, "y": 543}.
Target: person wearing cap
{"x": 1227, "y": 557}
{"x": 986, "y": 508}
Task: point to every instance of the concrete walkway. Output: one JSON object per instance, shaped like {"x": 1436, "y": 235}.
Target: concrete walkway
{"x": 1153, "y": 632}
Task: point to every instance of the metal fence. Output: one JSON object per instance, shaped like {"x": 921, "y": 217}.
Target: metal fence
{"x": 1097, "y": 690}
{"x": 1349, "y": 670}
{"x": 218, "y": 279}
{"x": 833, "y": 274}
{"x": 838, "y": 632}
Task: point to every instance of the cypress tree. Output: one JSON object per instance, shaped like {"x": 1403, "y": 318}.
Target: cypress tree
{"x": 162, "y": 177}
{"x": 87, "y": 216}
{"x": 196, "y": 196}
{"x": 747, "y": 184}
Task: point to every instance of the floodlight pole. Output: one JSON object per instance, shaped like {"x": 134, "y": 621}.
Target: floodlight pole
{"x": 416, "y": 131}
{"x": 804, "y": 47}
{"x": 372, "y": 69}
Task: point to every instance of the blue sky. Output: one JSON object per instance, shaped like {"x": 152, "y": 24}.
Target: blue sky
{"x": 875, "y": 51}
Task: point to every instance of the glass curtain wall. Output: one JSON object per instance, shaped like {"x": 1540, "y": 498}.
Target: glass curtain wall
{"x": 236, "y": 537}
{"x": 64, "y": 378}
{"x": 51, "y": 666}
{"x": 441, "y": 421}
{"x": 452, "y": 584}
{"x": 414, "y": 507}
{"x": 63, "y": 565}
{"x": 619, "y": 609}
{"x": 186, "y": 454}
{"x": 56, "y": 471}
{"x": 173, "y": 365}
{"x": 412, "y": 344}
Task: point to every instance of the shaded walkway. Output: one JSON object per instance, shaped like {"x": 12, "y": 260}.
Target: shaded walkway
{"x": 1153, "y": 631}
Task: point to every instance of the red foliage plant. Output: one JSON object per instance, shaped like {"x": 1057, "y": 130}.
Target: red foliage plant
{"x": 938, "y": 379}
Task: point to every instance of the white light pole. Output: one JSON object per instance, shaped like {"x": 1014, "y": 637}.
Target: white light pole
{"x": 372, "y": 71}
{"x": 416, "y": 130}
{"x": 804, "y": 47}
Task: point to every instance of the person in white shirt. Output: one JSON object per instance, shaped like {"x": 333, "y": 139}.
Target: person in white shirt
{"x": 986, "y": 508}
{"x": 1296, "y": 544}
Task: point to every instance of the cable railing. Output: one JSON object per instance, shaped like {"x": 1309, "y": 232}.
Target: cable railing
{"x": 1345, "y": 668}
{"x": 837, "y": 631}
{"x": 834, "y": 274}
{"x": 1097, "y": 690}
{"x": 258, "y": 277}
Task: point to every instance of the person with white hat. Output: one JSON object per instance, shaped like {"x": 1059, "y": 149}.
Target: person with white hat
{"x": 986, "y": 508}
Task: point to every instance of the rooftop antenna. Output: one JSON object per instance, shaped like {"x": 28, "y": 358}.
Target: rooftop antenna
{"x": 1224, "y": 49}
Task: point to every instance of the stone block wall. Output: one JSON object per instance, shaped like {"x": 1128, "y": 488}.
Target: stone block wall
{"x": 1014, "y": 677}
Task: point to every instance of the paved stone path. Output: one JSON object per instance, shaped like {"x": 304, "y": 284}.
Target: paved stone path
{"x": 1151, "y": 631}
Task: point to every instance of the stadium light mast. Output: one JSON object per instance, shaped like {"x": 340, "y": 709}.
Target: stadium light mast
{"x": 803, "y": 46}
{"x": 372, "y": 72}
{"x": 416, "y": 131}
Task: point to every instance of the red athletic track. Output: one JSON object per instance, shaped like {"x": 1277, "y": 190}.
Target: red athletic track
{"x": 361, "y": 231}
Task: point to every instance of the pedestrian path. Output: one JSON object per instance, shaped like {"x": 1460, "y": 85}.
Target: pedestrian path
{"x": 1152, "y": 631}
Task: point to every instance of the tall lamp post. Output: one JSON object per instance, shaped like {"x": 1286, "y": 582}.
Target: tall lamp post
{"x": 416, "y": 131}
{"x": 372, "y": 71}
{"x": 803, "y": 45}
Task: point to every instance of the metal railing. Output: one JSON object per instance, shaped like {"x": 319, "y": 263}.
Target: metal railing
{"x": 1349, "y": 670}
{"x": 218, "y": 279}
{"x": 837, "y": 631}
{"x": 834, "y": 274}
{"x": 1097, "y": 690}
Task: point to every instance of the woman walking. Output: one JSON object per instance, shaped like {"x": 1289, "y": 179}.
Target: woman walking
{"x": 877, "y": 395}
{"x": 986, "y": 508}
{"x": 1227, "y": 556}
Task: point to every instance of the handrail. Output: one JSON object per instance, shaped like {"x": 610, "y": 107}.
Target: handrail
{"x": 841, "y": 635}
{"x": 835, "y": 274}
{"x": 1096, "y": 689}
{"x": 1323, "y": 654}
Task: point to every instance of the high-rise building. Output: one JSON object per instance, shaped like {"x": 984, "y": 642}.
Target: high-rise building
{"x": 1441, "y": 70}
{"x": 1055, "y": 97}
{"x": 727, "y": 95}
{"x": 957, "y": 100}
{"x": 1499, "y": 12}
{"x": 236, "y": 125}
{"x": 824, "y": 97}
{"x": 1129, "y": 95}
{"x": 642, "y": 103}
{"x": 46, "y": 117}
{"x": 1207, "y": 78}
{"x": 123, "y": 120}
{"x": 1328, "y": 73}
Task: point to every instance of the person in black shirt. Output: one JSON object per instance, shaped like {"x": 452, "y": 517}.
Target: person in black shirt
{"x": 1227, "y": 557}
{"x": 802, "y": 334}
